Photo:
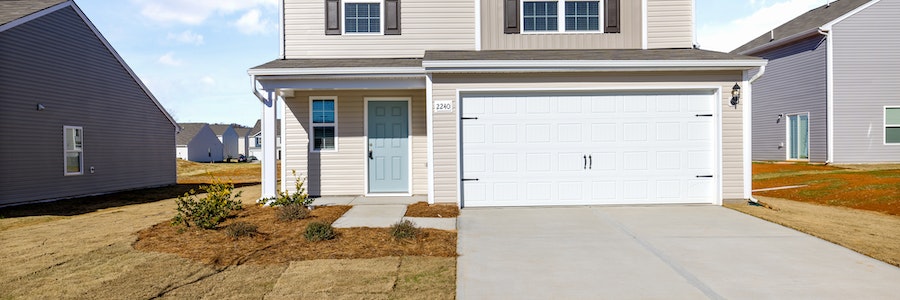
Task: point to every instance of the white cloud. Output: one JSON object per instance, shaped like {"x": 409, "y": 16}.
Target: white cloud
{"x": 208, "y": 80}
{"x": 169, "y": 59}
{"x": 195, "y": 11}
{"x": 727, "y": 37}
{"x": 187, "y": 37}
{"x": 250, "y": 23}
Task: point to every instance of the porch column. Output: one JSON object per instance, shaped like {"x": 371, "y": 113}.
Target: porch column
{"x": 269, "y": 176}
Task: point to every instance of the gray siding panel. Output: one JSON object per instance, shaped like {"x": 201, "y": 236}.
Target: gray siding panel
{"x": 795, "y": 82}
{"x": 57, "y": 61}
{"x": 866, "y": 77}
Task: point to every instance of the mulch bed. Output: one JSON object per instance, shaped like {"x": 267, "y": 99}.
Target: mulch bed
{"x": 423, "y": 210}
{"x": 283, "y": 241}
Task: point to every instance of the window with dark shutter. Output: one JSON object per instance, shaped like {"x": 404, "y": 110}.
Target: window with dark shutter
{"x": 392, "y": 17}
{"x": 511, "y": 16}
{"x": 611, "y": 24}
{"x": 332, "y": 17}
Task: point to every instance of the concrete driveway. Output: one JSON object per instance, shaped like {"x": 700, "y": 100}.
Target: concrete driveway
{"x": 655, "y": 252}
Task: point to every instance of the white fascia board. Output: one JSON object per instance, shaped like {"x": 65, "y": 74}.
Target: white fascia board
{"x": 338, "y": 71}
{"x": 827, "y": 26}
{"x": 35, "y": 15}
{"x": 549, "y": 65}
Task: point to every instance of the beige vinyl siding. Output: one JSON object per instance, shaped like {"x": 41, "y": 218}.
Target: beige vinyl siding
{"x": 343, "y": 172}
{"x": 425, "y": 25}
{"x": 493, "y": 38}
{"x": 670, "y": 24}
{"x": 445, "y": 124}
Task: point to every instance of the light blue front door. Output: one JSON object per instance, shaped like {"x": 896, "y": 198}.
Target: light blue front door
{"x": 388, "y": 143}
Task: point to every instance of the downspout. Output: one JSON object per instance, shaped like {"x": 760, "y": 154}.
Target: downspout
{"x": 829, "y": 95}
{"x": 754, "y": 201}
{"x": 256, "y": 92}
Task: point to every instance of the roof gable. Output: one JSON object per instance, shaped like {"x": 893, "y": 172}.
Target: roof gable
{"x": 808, "y": 21}
{"x": 11, "y": 10}
{"x": 188, "y": 132}
{"x": 219, "y": 129}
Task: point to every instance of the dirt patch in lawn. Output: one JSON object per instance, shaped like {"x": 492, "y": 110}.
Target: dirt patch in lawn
{"x": 875, "y": 189}
{"x": 424, "y": 210}
{"x": 870, "y": 233}
{"x": 281, "y": 242}
{"x": 200, "y": 173}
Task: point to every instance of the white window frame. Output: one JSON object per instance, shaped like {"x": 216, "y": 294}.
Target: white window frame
{"x": 66, "y": 152}
{"x": 787, "y": 136}
{"x": 313, "y": 125}
{"x": 886, "y": 125}
{"x": 561, "y": 17}
{"x": 344, "y": 17}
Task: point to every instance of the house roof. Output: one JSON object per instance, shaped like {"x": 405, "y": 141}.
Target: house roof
{"x": 242, "y": 131}
{"x": 219, "y": 129}
{"x": 11, "y": 10}
{"x": 591, "y": 54}
{"x": 811, "y": 20}
{"x": 258, "y": 127}
{"x": 188, "y": 132}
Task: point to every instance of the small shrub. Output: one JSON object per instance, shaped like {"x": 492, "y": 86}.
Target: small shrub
{"x": 292, "y": 212}
{"x": 318, "y": 231}
{"x": 241, "y": 229}
{"x": 405, "y": 229}
{"x": 299, "y": 196}
{"x": 209, "y": 211}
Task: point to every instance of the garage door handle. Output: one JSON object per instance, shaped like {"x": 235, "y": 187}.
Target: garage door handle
{"x": 704, "y": 176}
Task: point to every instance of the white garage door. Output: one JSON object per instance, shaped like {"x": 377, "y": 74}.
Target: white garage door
{"x": 588, "y": 149}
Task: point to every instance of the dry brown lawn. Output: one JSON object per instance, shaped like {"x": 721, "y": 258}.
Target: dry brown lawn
{"x": 424, "y": 210}
{"x": 83, "y": 249}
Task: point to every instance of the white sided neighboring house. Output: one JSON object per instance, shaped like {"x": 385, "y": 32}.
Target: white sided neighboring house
{"x": 229, "y": 138}
{"x": 243, "y": 134}
{"x": 82, "y": 121}
{"x": 197, "y": 142}
{"x": 506, "y": 103}
{"x": 255, "y": 140}
{"x": 829, "y": 93}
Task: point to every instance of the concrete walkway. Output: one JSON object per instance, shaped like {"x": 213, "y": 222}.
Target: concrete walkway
{"x": 381, "y": 212}
{"x": 656, "y": 252}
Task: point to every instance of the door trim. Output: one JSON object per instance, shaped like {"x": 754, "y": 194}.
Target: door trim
{"x": 714, "y": 90}
{"x": 787, "y": 136}
{"x": 409, "y": 143}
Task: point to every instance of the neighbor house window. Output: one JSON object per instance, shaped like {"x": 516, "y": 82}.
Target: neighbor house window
{"x": 892, "y": 125}
{"x": 74, "y": 152}
{"x": 362, "y": 17}
{"x": 324, "y": 123}
{"x": 545, "y": 16}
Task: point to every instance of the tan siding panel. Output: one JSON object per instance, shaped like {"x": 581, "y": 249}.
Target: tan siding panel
{"x": 342, "y": 172}
{"x": 670, "y": 24}
{"x": 493, "y": 38}
{"x": 425, "y": 25}
{"x": 445, "y": 125}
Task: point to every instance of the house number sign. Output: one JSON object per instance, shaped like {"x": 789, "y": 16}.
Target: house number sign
{"x": 443, "y": 106}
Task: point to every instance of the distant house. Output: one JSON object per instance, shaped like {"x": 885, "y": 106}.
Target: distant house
{"x": 197, "y": 142}
{"x": 829, "y": 93}
{"x": 229, "y": 139}
{"x": 82, "y": 121}
{"x": 256, "y": 139}
{"x": 243, "y": 134}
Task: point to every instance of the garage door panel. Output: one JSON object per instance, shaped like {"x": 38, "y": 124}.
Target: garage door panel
{"x": 588, "y": 149}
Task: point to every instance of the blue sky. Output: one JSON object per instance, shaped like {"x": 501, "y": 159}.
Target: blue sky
{"x": 194, "y": 54}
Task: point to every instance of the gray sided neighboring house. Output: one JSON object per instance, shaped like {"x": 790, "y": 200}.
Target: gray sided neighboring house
{"x": 836, "y": 67}
{"x": 197, "y": 142}
{"x": 229, "y": 139}
{"x": 75, "y": 118}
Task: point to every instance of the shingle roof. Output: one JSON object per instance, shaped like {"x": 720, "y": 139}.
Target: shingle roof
{"x": 810, "y": 20}
{"x": 219, "y": 129}
{"x": 340, "y": 63}
{"x": 242, "y": 131}
{"x": 188, "y": 132}
{"x": 11, "y": 10}
{"x": 593, "y": 54}
{"x": 258, "y": 127}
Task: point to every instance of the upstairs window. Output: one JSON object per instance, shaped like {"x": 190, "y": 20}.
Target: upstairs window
{"x": 371, "y": 17}
{"x": 594, "y": 16}
{"x": 73, "y": 151}
{"x": 892, "y": 125}
{"x": 362, "y": 17}
{"x": 324, "y": 124}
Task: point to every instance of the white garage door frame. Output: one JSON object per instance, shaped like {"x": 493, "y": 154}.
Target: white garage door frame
{"x": 716, "y": 91}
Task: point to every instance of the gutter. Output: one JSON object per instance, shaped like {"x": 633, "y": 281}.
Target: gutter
{"x": 781, "y": 42}
{"x": 256, "y": 92}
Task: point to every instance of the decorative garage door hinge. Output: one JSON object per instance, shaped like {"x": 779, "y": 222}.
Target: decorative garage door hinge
{"x": 704, "y": 115}
{"x": 469, "y": 118}
{"x": 469, "y": 179}
{"x": 704, "y": 176}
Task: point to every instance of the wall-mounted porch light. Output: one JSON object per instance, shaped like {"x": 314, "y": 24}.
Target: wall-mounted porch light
{"x": 735, "y": 94}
